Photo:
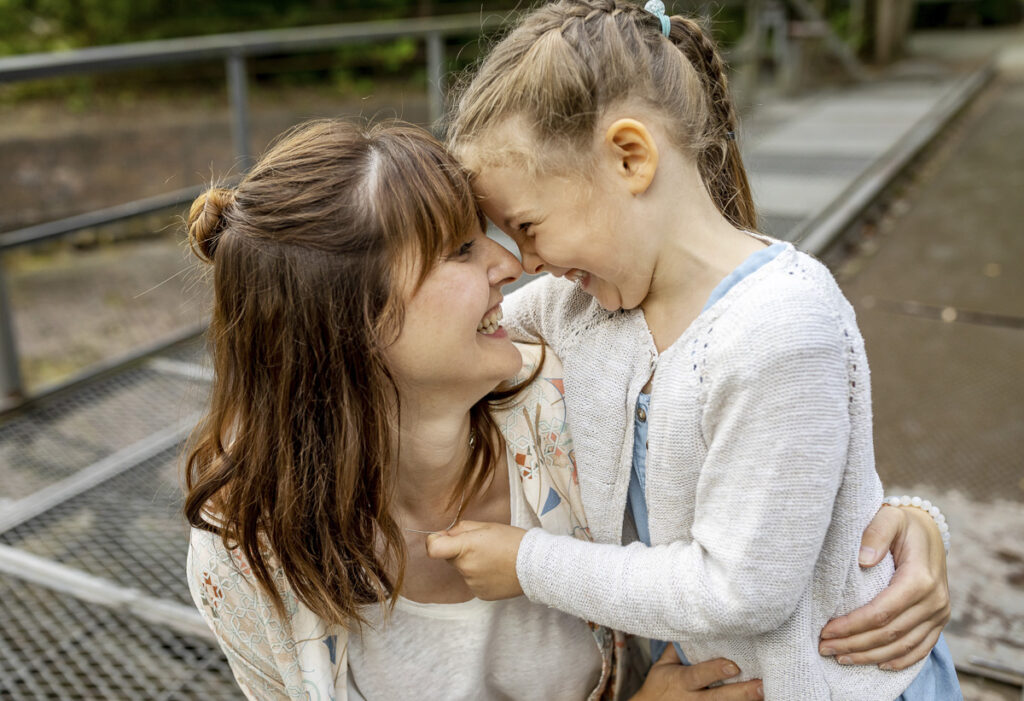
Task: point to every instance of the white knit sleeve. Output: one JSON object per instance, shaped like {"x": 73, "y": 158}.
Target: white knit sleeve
{"x": 776, "y": 425}
{"x": 544, "y": 311}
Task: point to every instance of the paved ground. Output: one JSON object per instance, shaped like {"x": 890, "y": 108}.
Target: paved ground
{"x": 939, "y": 293}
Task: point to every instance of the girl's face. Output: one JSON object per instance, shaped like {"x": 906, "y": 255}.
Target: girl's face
{"x": 584, "y": 231}
{"x": 450, "y": 337}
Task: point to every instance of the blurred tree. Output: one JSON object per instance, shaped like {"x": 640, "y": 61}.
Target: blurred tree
{"x": 49, "y": 25}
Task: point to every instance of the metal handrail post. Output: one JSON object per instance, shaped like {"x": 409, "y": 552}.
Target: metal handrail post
{"x": 238, "y": 90}
{"x": 435, "y": 77}
{"x": 11, "y": 388}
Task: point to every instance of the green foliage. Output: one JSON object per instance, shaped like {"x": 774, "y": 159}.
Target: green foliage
{"x": 51, "y": 25}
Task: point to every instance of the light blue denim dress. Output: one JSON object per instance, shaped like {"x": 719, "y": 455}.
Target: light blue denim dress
{"x": 937, "y": 680}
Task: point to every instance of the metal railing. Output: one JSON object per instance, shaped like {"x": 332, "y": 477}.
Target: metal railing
{"x": 233, "y": 50}
{"x": 764, "y": 18}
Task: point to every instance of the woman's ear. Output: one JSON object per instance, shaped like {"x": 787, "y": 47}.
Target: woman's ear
{"x": 634, "y": 153}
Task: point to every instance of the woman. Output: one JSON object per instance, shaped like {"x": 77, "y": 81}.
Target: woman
{"x": 356, "y": 341}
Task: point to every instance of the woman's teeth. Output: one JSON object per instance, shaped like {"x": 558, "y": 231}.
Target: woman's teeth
{"x": 490, "y": 323}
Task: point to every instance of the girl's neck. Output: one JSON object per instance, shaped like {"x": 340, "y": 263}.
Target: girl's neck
{"x": 697, "y": 251}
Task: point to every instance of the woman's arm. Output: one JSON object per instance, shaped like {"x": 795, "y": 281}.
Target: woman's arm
{"x": 220, "y": 593}
{"x": 900, "y": 626}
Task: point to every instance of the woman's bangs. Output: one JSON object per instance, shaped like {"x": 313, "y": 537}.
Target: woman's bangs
{"x": 441, "y": 209}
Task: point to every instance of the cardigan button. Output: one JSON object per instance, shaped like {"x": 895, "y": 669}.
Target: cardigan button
{"x": 641, "y": 414}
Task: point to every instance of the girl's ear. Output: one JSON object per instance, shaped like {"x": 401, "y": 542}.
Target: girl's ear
{"x": 634, "y": 152}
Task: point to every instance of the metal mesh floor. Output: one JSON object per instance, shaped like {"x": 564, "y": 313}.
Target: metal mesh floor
{"x": 128, "y": 530}
{"x": 58, "y": 437}
{"x": 191, "y": 351}
{"x": 53, "y": 646}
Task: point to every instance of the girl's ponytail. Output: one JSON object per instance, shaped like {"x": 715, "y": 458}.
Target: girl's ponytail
{"x": 720, "y": 163}
{"x": 569, "y": 60}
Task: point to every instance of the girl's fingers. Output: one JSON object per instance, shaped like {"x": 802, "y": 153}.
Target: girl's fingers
{"x": 443, "y": 547}
{"x": 464, "y": 527}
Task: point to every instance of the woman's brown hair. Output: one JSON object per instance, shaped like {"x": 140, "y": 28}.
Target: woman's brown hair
{"x": 566, "y": 62}
{"x": 294, "y": 462}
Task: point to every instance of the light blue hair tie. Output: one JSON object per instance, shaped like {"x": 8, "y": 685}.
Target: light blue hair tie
{"x": 657, "y": 8}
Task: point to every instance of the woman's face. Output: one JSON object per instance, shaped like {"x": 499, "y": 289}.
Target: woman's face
{"x": 451, "y": 340}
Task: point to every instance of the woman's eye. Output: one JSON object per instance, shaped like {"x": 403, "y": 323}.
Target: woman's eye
{"x": 465, "y": 248}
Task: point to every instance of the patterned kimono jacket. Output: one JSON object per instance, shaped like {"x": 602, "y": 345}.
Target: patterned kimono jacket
{"x": 302, "y": 657}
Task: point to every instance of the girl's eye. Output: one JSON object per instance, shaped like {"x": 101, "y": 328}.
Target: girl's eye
{"x": 525, "y": 227}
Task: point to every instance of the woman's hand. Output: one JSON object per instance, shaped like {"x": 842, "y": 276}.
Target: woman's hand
{"x": 670, "y": 680}
{"x": 484, "y": 554}
{"x": 901, "y": 625}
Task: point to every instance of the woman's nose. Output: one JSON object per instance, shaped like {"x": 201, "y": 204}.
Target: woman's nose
{"x": 504, "y": 268}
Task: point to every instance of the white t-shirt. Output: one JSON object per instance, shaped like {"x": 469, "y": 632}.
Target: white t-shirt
{"x": 476, "y": 649}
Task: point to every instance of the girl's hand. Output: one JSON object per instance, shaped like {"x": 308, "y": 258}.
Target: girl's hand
{"x": 902, "y": 624}
{"x": 484, "y": 554}
{"x": 670, "y": 680}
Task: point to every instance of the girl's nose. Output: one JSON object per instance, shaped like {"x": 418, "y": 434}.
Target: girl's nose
{"x": 532, "y": 263}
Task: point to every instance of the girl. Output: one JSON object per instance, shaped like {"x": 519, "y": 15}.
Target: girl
{"x": 602, "y": 139}
{"x": 356, "y": 345}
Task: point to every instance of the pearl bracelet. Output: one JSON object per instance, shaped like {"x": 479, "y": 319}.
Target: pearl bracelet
{"x": 928, "y": 508}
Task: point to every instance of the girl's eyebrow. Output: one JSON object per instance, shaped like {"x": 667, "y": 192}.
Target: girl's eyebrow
{"x": 515, "y": 217}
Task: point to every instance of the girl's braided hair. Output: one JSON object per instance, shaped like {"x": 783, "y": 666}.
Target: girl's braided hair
{"x": 566, "y": 62}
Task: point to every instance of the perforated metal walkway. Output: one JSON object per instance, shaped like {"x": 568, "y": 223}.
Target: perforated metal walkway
{"x": 93, "y": 599}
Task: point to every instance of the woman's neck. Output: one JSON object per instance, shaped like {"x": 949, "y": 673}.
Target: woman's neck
{"x": 433, "y": 446}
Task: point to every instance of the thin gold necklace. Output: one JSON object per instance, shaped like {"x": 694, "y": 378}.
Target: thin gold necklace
{"x": 462, "y": 500}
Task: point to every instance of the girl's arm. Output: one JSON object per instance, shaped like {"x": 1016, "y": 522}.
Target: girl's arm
{"x": 544, "y": 311}
{"x": 777, "y": 431}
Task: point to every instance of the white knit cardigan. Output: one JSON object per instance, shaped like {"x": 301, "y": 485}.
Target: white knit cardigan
{"x": 760, "y": 476}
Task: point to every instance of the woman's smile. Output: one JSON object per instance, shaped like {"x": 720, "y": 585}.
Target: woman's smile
{"x": 490, "y": 325}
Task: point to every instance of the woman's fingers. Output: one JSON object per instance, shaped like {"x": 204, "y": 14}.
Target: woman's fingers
{"x": 902, "y": 653}
{"x": 704, "y": 674}
{"x": 918, "y": 653}
{"x": 879, "y": 646}
{"x": 670, "y": 680}
{"x": 746, "y": 691}
{"x": 900, "y": 638}
{"x": 669, "y": 656}
{"x": 878, "y": 536}
{"x": 913, "y": 596}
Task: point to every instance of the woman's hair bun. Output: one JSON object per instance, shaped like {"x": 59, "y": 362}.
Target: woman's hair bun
{"x": 206, "y": 221}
